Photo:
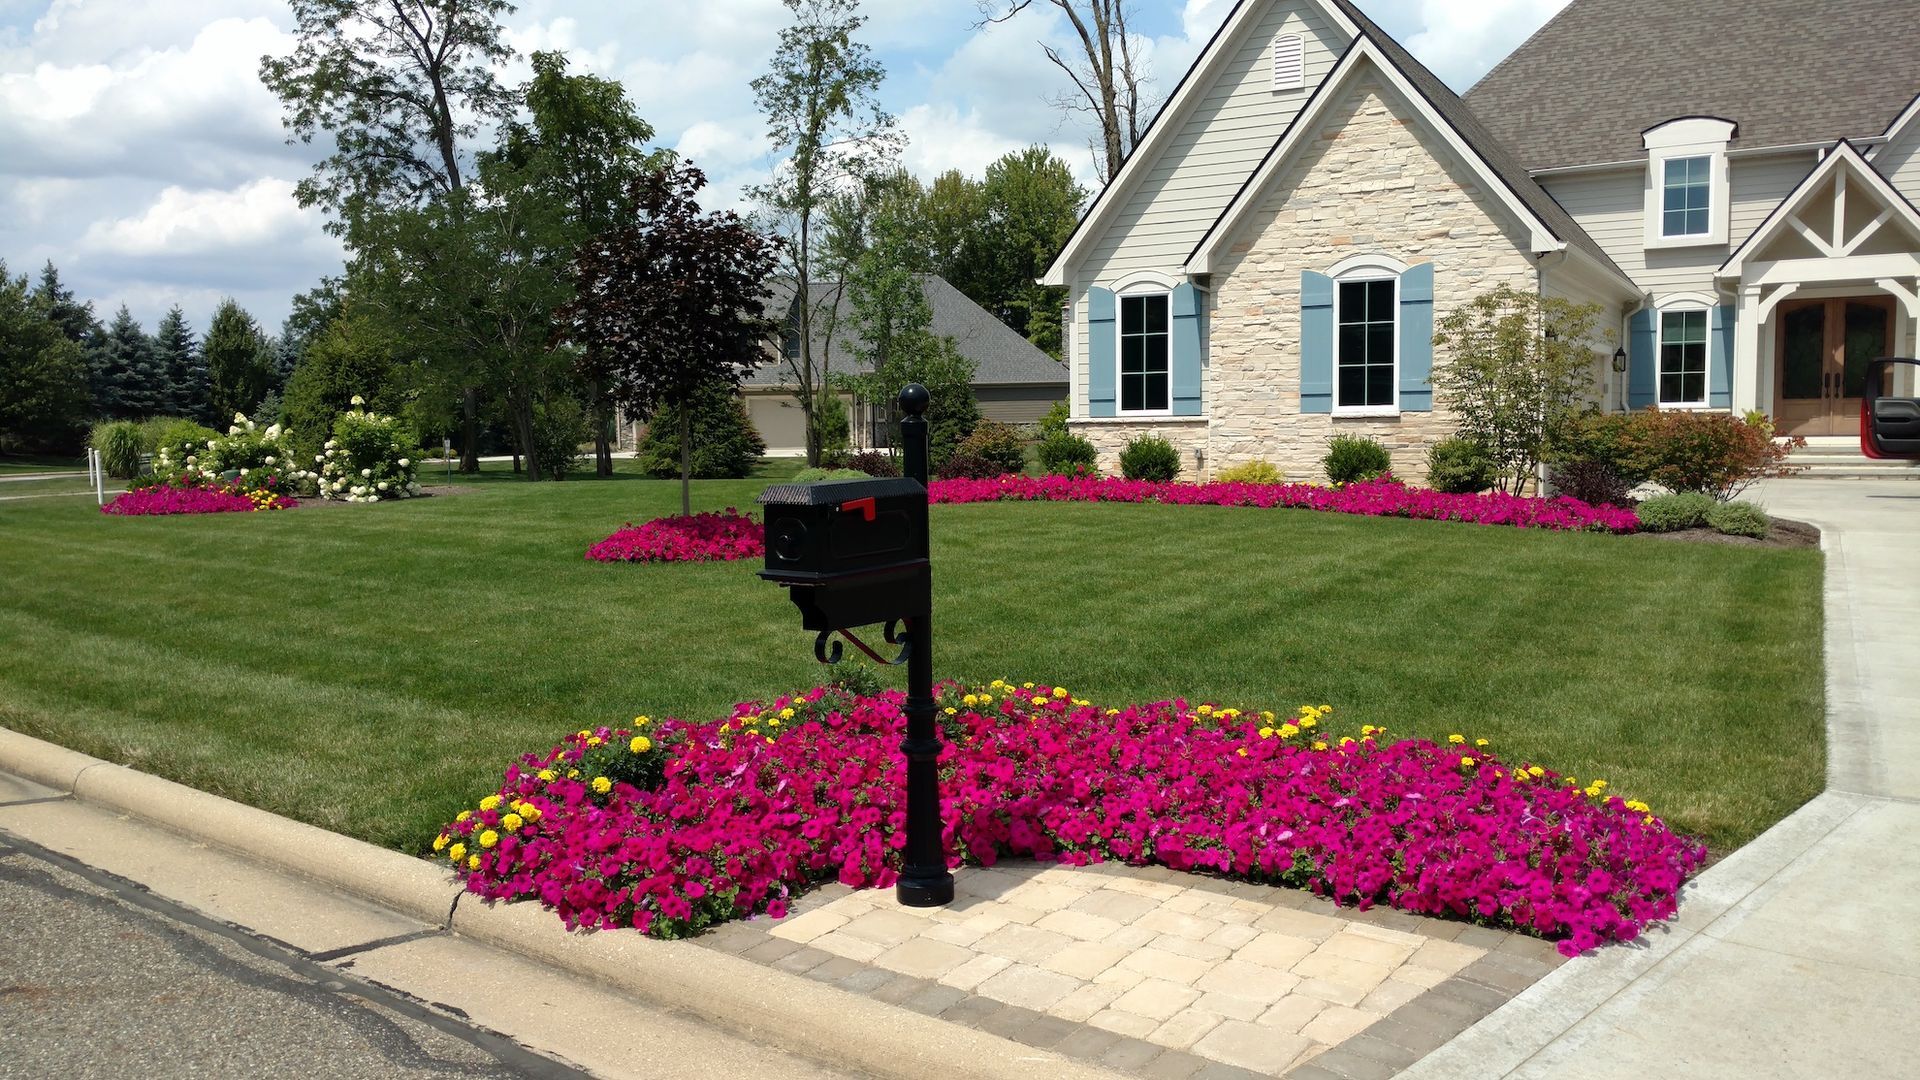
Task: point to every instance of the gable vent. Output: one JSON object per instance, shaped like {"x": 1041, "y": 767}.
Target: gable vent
{"x": 1289, "y": 62}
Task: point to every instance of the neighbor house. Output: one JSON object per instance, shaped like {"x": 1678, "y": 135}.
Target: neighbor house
{"x": 1014, "y": 381}
{"x": 1729, "y": 180}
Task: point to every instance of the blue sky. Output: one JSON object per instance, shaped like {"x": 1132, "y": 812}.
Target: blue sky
{"x": 139, "y": 152}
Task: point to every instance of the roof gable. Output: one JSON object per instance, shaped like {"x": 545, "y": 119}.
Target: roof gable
{"x": 1858, "y": 210}
{"x": 1791, "y": 73}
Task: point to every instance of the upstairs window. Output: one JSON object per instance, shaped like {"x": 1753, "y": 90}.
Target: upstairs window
{"x": 1145, "y": 379}
{"x": 1683, "y": 358}
{"x": 1687, "y": 197}
{"x": 1366, "y": 317}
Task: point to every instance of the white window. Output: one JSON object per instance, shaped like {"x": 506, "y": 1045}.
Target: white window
{"x": 1146, "y": 381}
{"x": 1686, "y": 197}
{"x": 1683, "y": 357}
{"x": 1366, "y": 370}
{"x": 1289, "y": 62}
{"x": 1687, "y": 186}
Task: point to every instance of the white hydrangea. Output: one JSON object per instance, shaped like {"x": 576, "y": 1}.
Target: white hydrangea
{"x": 382, "y": 485}
{"x": 358, "y": 400}
{"x": 319, "y": 459}
{"x": 366, "y": 474}
{"x": 271, "y": 460}
{"x": 406, "y": 463}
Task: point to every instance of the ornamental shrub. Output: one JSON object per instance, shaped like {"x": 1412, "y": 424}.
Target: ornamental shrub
{"x": 873, "y": 463}
{"x": 249, "y": 457}
{"x": 1055, "y": 422}
{"x": 963, "y": 466}
{"x": 367, "y": 460}
{"x": 814, "y": 476}
{"x": 726, "y": 446}
{"x": 1592, "y": 482}
{"x": 1150, "y": 457}
{"x": 1063, "y": 453}
{"x": 120, "y": 447}
{"x": 1710, "y": 453}
{"x": 998, "y": 444}
{"x": 1610, "y": 439}
{"x": 1352, "y": 458}
{"x": 1673, "y": 513}
{"x": 560, "y": 427}
{"x": 1460, "y": 466}
{"x": 1739, "y": 519}
{"x": 1251, "y": 472}
{"x": 178, "y": 436}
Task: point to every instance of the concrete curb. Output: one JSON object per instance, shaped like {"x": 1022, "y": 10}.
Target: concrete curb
{"x": 756, "y": 1002}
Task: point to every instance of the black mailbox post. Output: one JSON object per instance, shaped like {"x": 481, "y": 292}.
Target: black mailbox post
{"x": 854, "y": 553}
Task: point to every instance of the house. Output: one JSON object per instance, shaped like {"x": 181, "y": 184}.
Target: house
{"x": 1015, "y": 382}
{"x": 1730, "y": 180}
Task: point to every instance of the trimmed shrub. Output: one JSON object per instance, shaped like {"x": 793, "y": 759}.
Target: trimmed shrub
{"x": 1150, "y": 457}
{"x": 1355, "y": 457}
{"x": 120, "y": 447}
{"x": 1672, "y": 513}
{"x": 1592, "y": 482}
{"x": 998, "y": 444}
{"x": 1611, "y": 439}
{"x": 962, "y": 466}
{"x": 1460, "y": 467}
{"x": 1251, "y": 472}
{"x": 873, "y": 463}
{"x": 1739, "y": 519}
{"x": 814, "y": 476}
{"x": 1707, "y": 452}
{"x": 1063, "y": 453}
{"x": 725, "y": 444}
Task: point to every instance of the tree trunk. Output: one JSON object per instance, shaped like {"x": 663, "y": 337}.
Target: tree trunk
{"x": 523, "y": 434}
{"x": 470, "y": 430}
{"x": 686, "y": 460}
{"x": 604, "y": 414}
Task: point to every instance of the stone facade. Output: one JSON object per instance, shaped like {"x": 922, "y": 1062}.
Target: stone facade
{"x": 1188, "y": 434}
{"x": 1372, "y": 182}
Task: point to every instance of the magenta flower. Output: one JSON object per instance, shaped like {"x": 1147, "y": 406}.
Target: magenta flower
{"x": 724, "y": 536}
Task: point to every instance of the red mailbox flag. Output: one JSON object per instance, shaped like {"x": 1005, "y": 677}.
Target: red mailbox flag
{"x": 863, "y": 507}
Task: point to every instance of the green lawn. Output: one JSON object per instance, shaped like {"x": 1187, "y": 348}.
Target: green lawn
{"x": 371, "y": 669}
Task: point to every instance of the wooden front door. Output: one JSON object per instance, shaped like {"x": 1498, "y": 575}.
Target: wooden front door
{"x": 1821, "y": 353}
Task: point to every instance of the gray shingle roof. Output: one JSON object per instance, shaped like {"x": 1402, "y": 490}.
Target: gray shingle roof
{"x": 1789, "y": 72}
{"x": 1000, "y": 356}
{"x": 1498, "y": 156}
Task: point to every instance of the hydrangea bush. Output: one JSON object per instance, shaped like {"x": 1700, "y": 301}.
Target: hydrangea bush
{"x": 368, "y": 459}
{"x": 671, "y": 827}
{"x": 1385, "y": 497}
{"x": 248, "y": 458}
{"x": 722, "y": 537}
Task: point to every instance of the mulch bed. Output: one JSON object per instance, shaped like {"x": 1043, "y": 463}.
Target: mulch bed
{"x": 1784, "y": 534}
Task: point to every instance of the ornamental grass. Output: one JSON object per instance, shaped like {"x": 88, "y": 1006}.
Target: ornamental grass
{"x": 673, "y": 826}
{"x": 713, "y": 537}
{"x": 166, "y": 499}
{"x": 1384, "y": 497}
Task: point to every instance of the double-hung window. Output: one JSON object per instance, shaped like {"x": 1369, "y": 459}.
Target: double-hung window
{"x": 1683, "y": 357}
{"x": 1366, "y": 317}
{"x": 1687, "y": 197}
{"x": 1145, "y": 375}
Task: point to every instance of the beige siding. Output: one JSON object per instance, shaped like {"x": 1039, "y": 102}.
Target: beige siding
{"x": 1608, "y": 389}
{"x": 1018, "y": 405}
{"x": 1611, "y": 207}
{"x": 1899, "y": 161}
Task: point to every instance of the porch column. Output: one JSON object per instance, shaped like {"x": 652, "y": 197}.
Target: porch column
{"x": 1748, "y": 315}
{"x": 1904, "y": 381}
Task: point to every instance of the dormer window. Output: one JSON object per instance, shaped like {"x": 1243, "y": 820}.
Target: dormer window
{"x": 1687, "y": 189}
{"x": 1687, "y": 197}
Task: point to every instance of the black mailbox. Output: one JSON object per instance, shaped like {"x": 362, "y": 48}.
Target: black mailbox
{"x": 851, "y": 552}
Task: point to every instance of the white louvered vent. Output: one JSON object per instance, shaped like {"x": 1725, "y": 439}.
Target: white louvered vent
{"x": 1289, "y": 62}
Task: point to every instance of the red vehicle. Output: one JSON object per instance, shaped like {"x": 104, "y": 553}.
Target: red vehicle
{"x": 1889, "y": 426}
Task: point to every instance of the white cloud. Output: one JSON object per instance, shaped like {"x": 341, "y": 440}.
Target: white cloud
{"x": 182, "y": 222}
{"x": 941, "y": 137}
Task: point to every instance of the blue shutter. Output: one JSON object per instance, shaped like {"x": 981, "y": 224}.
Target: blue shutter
{"x": 1643, "y": 362}
{"x": 1316, "y": 342}
{"x": 1720, "y": 357}
{"x": 1185, "y": 347}
{"x": 1416, "y": 339}
{"x": 1103, "y": 356}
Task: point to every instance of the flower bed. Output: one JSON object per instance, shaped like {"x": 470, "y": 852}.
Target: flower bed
{"x": 167, "y": 499}
{"x": 1371, "y": 498}
{"x": 721, "y": 537}
{"x": 674, "y": 826}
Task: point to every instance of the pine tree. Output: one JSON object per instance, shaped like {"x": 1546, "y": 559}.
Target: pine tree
{"x": 239, "y": 362}
{"x": 43, "y": 381}
{"x": 56, "y": 304}
{"x": 176, "y": 353}
{"x": 130, "y": 380}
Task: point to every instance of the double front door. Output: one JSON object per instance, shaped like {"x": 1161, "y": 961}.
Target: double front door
{"x": 1823, "y": 350}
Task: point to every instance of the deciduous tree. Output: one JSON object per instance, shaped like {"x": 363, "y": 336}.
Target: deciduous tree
{"x": 1105, "y": 66}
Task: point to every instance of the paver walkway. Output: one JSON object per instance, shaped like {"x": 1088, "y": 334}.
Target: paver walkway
{"x": 1799, "y": 955}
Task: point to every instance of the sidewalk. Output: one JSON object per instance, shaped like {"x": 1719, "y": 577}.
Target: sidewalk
{"x": 1798, "y": 956}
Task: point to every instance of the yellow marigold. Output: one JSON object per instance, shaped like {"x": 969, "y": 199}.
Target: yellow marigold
{"x": 640, "y": 744}
{"x": 1308, "y": 721}
{"x": 986, "y": 699}
{"x": 1601, "y": 784}
{"x": 1026, "y": 686}
{"x": 1113, "y": 712}
{"x": 1242, "y": 751}
{"x": 457, "y": 852}
{"x": 489, "y": 838}
{"x": 1456, "y": 739}
{"x": 573, "y": 774}
{"x": 1346, "y": 740}
{"x": 1536, "y": 771}
{"x": 1061, "y": 692}
{"x": 584, "y": 733}
{"x": 512, "y": 822}
{"x": 1481, "y": 742}
{"x": 1466, "y": 762}
{"x": 1366, "y": 729}
{"x": 1520, "y": 776}
{"x": 970, "y": 700}
{"x": 1038, "y": 700}
{"x": 546, "y": 775}
{"x": 1288, "y": 731}
{"x": 1204, "y": 710}
{"x": 642, "y": 721}
{"x": 594, "y": 740}
{"x": 464, "y": 815}
{"x": 1319, "y": 745}
{"x": 1081, "y": 702}
{"x": 491, "y": 802}
{"x": 786, "y": 714}
{"x": 1266, "y": 733}
{"x": 602, "y": 785}
{"x": 530, "y": 812}
{"x": 473, "y": 862}
{"x": 951, "y": 711}
{"x": 440, "y": 842}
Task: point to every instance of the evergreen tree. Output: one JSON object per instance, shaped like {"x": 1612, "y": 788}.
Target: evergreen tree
{"x": 178, "y": 355}
{"x": 128, "y": 375}
{"x": 56, "y": 304}
{"x": 43, "y": 377}
{"x": 240, "y": 362}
